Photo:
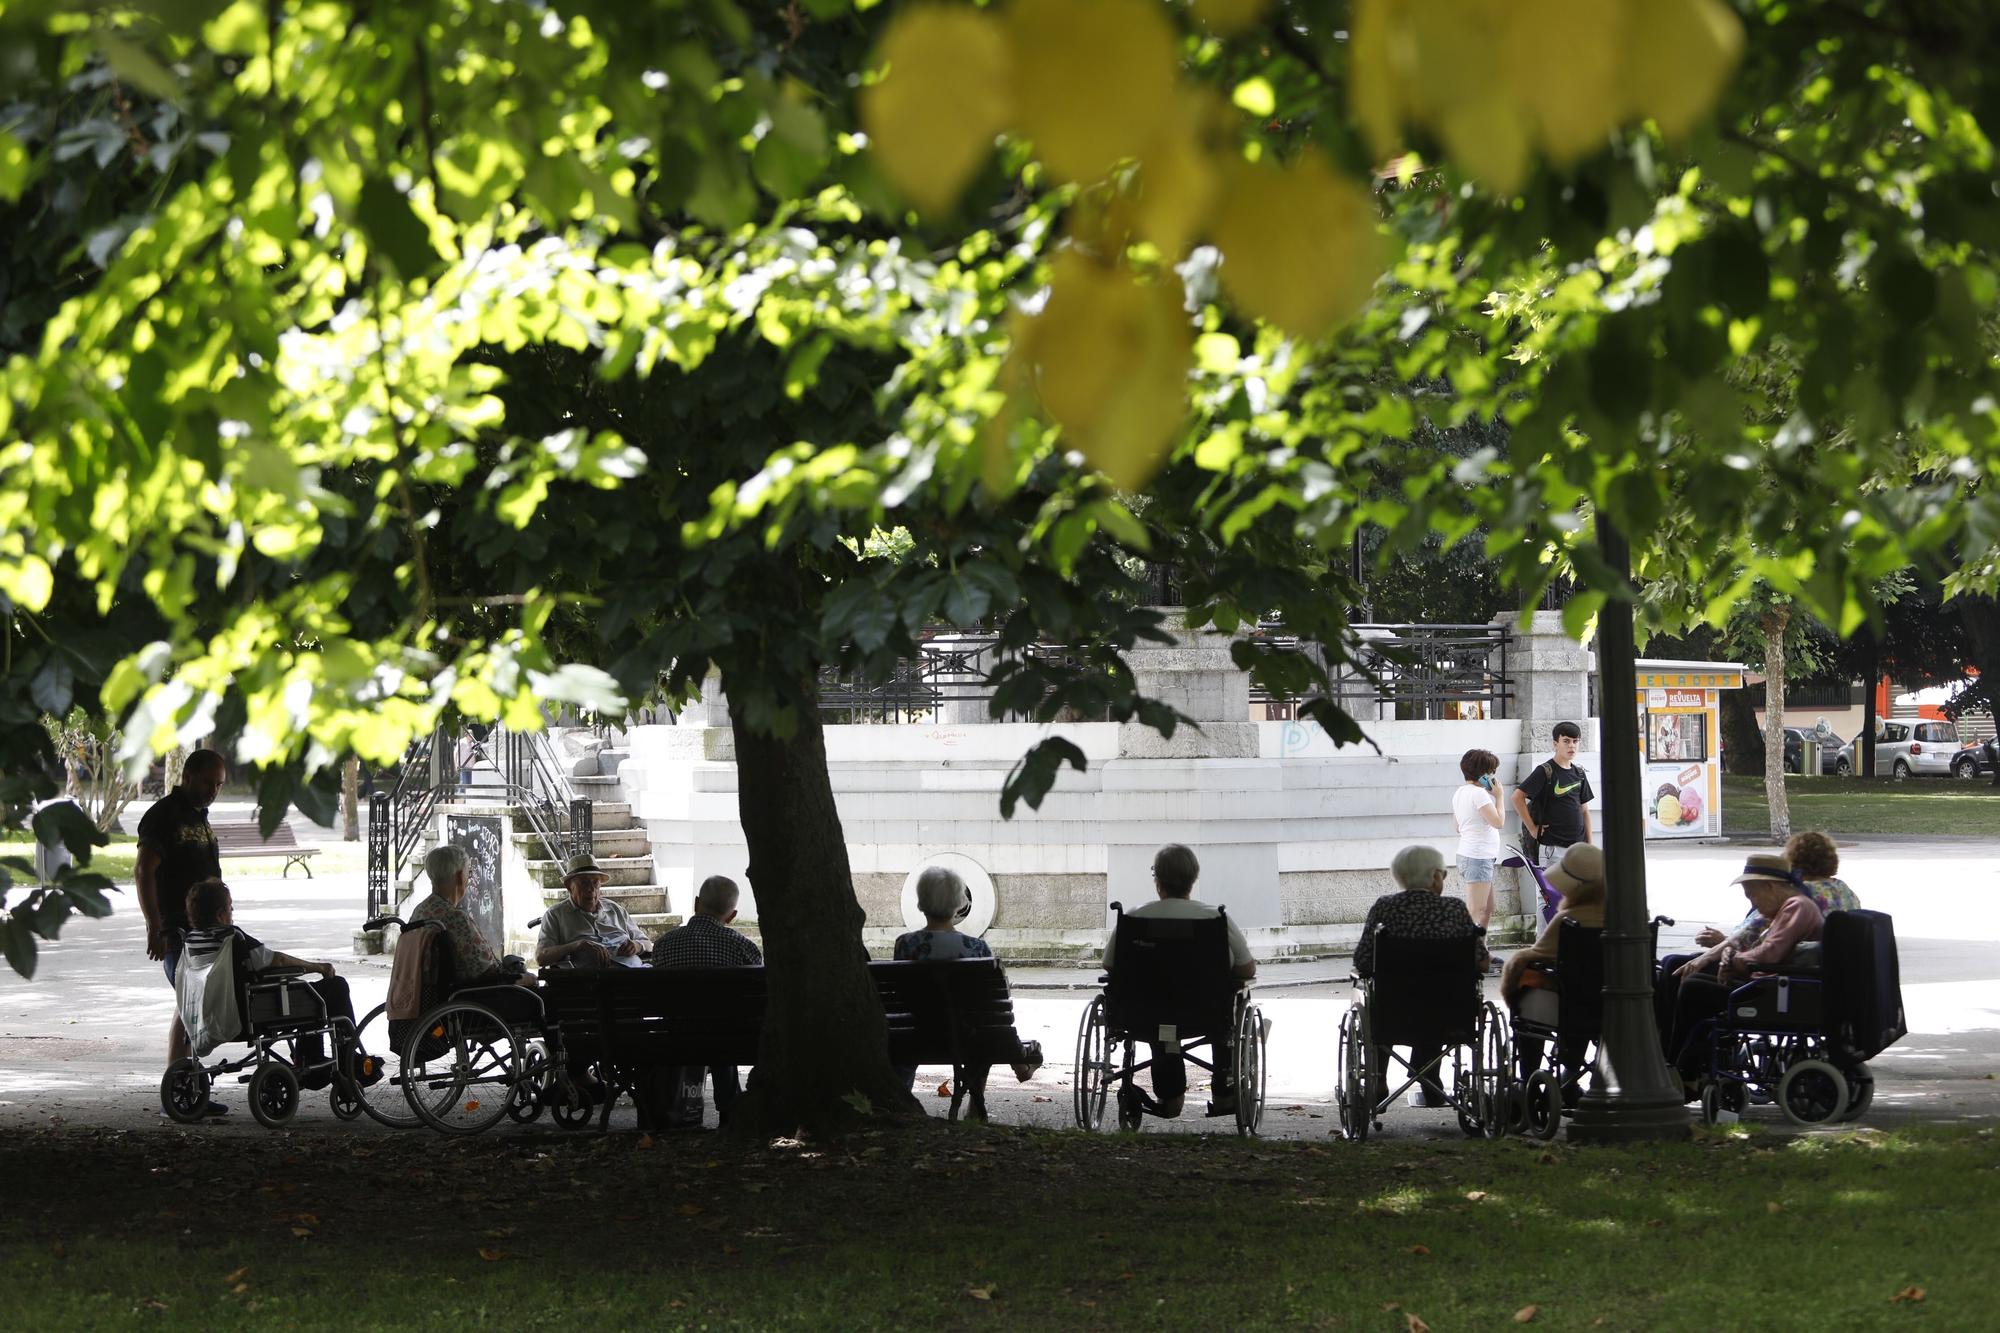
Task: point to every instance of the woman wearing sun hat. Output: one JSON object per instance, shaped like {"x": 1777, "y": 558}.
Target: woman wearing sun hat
{"x": 1777, "y": 895}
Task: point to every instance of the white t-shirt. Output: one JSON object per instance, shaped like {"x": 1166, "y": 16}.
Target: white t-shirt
{"x": 1476, "y": 837}
{"x": 1187, "y": 909}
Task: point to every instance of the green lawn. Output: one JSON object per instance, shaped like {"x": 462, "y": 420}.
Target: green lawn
{"x": 965, "y": 1227}
{"x": 117, "y": 859}
{"x": 1866, "y": 805}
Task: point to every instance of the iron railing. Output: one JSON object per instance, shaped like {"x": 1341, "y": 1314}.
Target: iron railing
{"x": 945, "y": 682}
{"x": 518, "y": 769}
{"x": 1422, "y": 672}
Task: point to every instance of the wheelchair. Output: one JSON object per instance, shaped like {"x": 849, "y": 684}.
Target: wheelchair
{"x": 1424, "y": 990}
{"x": 1566, "y": 1019}
{"x": 471, "y": 1058}
{"x": 280, "y": 1010}
{"x": 1802, "y": 1038}
{"x": 1170, "y": 983}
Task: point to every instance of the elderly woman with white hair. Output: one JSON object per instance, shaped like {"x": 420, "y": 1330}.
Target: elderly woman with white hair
{"x": 942, "y": 898}
{"x": 1419, "y": 911}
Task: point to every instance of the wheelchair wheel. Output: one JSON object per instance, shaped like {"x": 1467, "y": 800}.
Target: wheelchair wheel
{"x": 460, "y": 1067}
{"x": 1092, "y": 1084}
{"x": 525, "y": 1100}
{"x": 274, "y": 1093}
{"x": 1353, "y": 1089}
{"x": 1483, "y": 1103}
{"x": 1249, "y": 1057}
{"x": 1812, "y": 1092}
{"x": 1542, "y": 1105}
{"x": 1860, "y": 1093}
{"x": 1721, "y": 1097}
{"x": 184, "y": 1091}
{"x": 378, "y": 1073}
{"x": 345, "y": 1105}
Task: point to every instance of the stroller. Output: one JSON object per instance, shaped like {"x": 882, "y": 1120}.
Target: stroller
{"x": 1550, "y": 899}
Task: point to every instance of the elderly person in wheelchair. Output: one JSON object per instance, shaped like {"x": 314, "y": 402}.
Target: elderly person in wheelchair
{"x": 1539, "y": 995}
{"x": 233, "y": 987}
{"x": 1176, "y": 978}
{"x": 1420, "y": 964}
{"x": 463, "y": 1027}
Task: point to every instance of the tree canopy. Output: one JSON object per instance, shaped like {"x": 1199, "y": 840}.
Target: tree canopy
{"x": 368, "y": 362}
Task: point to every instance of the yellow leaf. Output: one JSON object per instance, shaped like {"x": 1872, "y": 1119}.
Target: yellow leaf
{"x": 1092, "y": 80}
{"x": 1374, "y": 81}
{"x": 491, "y": 1255}
{"x": 1489, "y": 138}
{"x": 1177, "y": 179}
{"x": 1412, "y": 1324}
{"x": 947, "y": 92}
{"x": 1228, "y": 16}
{"x": 1300, "y": 245}
{"x": 1526, "y": 1314}
{"x": 1679, "y": 55}
{"x": 984, "y": 1293}
{"x": 1912, "y": 1295}
{"x": 231, "y": 1279}
{"x": 1561, "y": 61}
{"x": 1110, "y": 358}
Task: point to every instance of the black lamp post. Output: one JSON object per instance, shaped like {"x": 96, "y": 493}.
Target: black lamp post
{"x": 1634, "y": 1095}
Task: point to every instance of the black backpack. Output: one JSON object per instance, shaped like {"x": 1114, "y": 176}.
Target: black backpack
{"x": 1538, "y": 806}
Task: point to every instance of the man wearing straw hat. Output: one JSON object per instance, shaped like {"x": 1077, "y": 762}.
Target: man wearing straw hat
{"x": 587, "y": 930}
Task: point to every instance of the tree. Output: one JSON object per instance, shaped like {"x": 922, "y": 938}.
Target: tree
{"x": 92, "y": 776}
{"x": 365, "y": 391}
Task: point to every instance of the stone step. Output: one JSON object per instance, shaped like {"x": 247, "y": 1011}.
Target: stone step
{"x": 596, "y": 785}
{"x": 604, "y": 842}
{"x": 618, "y": 870}
{"x": 610, "y": 759}
{"x": 611, "y": 815}
{"x": 656, "y": 924}
{"x": 634, "y": 898}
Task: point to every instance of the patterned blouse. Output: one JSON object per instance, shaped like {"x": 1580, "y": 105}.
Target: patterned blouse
{"x": 473, "y": 962}
{"x": 929, "y": 946}
{"x": 1413, "y": 914}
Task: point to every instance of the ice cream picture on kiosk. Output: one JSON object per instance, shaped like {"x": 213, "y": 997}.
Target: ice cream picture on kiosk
{"x": 1679, "y": 744}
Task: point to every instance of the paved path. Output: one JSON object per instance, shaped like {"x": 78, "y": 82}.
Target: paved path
{"x": 84, "y": 1041}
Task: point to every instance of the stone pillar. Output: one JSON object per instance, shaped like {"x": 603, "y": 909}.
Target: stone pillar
{"x": 1195, "y": 675}
{"x": 1551, "y": 678}
{"x": 1551, "y": 674}
{"x": 709, "y": 708}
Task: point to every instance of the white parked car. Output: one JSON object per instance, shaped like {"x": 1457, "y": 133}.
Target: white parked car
{"x": 1906, "y": 749}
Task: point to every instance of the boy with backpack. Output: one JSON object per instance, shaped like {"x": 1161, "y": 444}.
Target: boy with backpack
{"x": 1552, "y": 800}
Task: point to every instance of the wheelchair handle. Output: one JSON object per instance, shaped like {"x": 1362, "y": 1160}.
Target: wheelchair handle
{"x": 377, "y": 922}
{"x": 1663, "y": 921}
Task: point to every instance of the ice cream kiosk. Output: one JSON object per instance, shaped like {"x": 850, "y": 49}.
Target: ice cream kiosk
{"x": 1680, "y": 744}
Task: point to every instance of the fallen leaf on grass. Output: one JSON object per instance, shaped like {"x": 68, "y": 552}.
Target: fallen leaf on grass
{"x": 491, "y": 1254}
{"x": 1420, "y": 1250}
{"x": 984, "y": 1293}
{"x": 690, "y": 1210}
{"x": 677, "y": 1305}
{"x": 1526, "y": 1314}
{"x": 1911, "y": 1295}
{"x": 645, "y": 1142}
{"x": 240, "y": 1288}
{"x": 1390, "y": 1305}
{"x": 60, "y": 1250}
{"x": 152, "y": 1304}
{"x": 1474, "y": 1196}
{"x": 303, "y": 1233}
{"x": 1656, "y": 1221}
{"x": 231, "y": 1279}
{"x": 1773, "y": 1206}
{"x": 1412, "y": 1324}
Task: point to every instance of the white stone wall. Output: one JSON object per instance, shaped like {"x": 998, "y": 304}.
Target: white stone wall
{"x": 1294, "y": 834}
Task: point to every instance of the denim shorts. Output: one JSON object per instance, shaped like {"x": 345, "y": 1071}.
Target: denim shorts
{"x": 1476, "y": 869}
{"x": 172, "y": 962}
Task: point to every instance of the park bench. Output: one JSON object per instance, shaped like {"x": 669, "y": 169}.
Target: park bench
{"x": 236, "y": 841}
{"x": 635, "y": 1022}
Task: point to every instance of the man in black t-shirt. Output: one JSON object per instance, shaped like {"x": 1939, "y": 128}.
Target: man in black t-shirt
{"x": 176, "y": 852}
{"x": 1551, "y": 800}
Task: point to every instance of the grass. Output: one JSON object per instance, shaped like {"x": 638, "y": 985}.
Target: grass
{"x": 1865, "y": 805}
{"x": 966, "y": 1227}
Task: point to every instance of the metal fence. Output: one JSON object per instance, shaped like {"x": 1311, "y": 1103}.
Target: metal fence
{"x": 1411, "y": 672}
{"x": 1408, "y": 671}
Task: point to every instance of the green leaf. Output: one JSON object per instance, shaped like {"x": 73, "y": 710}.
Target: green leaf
{"x": 1580, "y": 610}
{"x": 16, "y": 165}
{"x": 1035, "y": 772}
{"x": 86, "y": 892}
{"x": 136, "y": 66}
{"x": 395, "y": 232}
{"x": 65, "y": 822}
{"x": 18, "y": 944}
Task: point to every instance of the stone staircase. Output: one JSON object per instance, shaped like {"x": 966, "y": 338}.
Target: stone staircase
{"x": 622, "y": 850}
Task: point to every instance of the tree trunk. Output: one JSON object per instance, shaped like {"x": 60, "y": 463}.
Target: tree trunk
{"x": 176, "y": 761}
{"x": 1741, "y": 740}
{"x": 1773, "y": 625}
{"x": 1981, "y": 617}
{"x": 824, "y": 1063}
{"x": 350, "y": 799}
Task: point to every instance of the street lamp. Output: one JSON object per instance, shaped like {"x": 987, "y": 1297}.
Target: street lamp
{"x": 1633, "y": 1095}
